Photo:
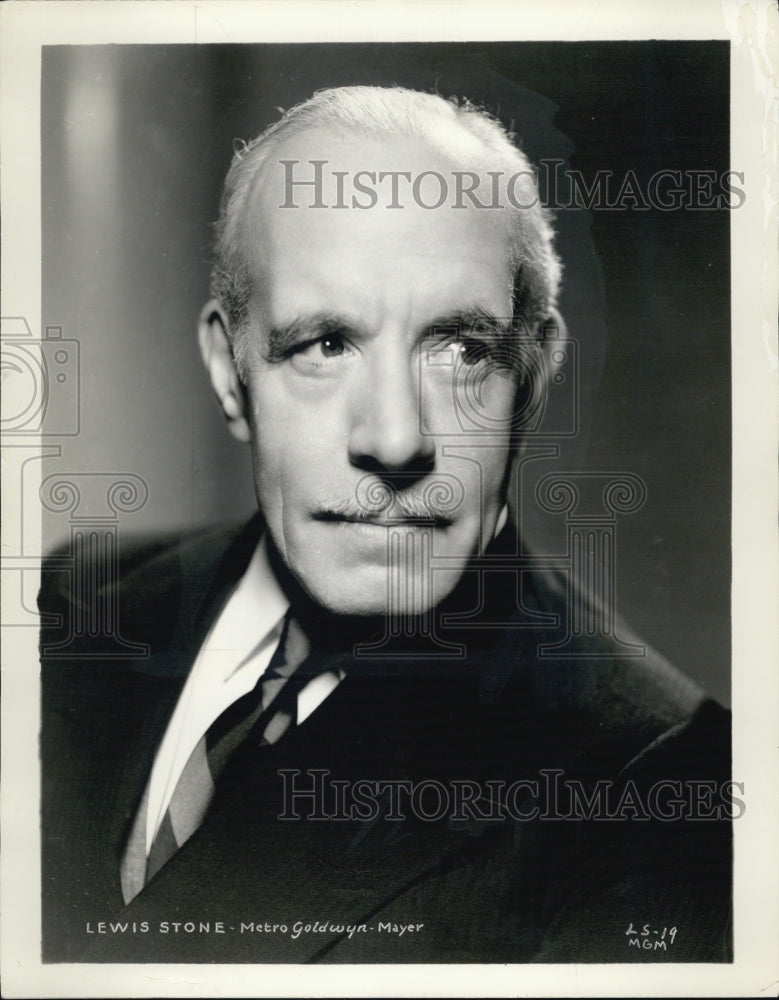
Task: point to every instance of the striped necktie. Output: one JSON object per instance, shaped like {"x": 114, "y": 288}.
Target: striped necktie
{"x": 271, "y": 706}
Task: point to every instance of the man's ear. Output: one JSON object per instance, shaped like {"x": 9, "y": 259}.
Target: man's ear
{"x": 547, "y": 352}
{"x": 550, "y": 334}
{"x": 220, "y": 365}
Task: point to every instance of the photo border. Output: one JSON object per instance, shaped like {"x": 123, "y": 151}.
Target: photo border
{"x": 752, "y": 30}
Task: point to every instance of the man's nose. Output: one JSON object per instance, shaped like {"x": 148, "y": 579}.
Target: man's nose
{"x": 387, "y": 432}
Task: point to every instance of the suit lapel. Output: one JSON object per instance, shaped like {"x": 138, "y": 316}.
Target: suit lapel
{"x": 199, "y": 583}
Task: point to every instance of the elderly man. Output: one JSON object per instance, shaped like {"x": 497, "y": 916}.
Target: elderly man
{"x": 350, "y": 741}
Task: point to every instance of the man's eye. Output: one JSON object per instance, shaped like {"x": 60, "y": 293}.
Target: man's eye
{"x": 472, "y": 351}
{"x": 331, "y": 345}
{"x": 320, "y": 353}
{"x": 462, "y": 349}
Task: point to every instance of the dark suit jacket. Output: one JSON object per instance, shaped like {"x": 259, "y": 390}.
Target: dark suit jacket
{"x": 491, "y": 889}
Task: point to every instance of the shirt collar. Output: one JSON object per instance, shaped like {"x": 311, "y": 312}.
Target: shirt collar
{"x": 253, "y": 611}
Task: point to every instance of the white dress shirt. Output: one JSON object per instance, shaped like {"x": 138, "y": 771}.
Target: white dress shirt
{"x": 233, "y": 657}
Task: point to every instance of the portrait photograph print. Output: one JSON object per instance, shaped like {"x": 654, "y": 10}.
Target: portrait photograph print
{"x": 389, "y": 455}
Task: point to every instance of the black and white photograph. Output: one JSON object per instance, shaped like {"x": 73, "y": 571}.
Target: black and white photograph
{"x": 381, "y": 503}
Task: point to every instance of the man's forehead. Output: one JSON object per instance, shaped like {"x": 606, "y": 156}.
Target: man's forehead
{"x": 389, "y": 195}
{"x": 443, "y": 147}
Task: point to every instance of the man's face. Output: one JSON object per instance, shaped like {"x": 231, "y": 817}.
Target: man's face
{"x": 369, "y": 330}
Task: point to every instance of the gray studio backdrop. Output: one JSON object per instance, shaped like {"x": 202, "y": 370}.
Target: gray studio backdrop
{"x": 136, "y": 141}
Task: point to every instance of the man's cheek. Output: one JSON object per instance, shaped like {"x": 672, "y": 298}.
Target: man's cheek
{"x": 479, "y": 464}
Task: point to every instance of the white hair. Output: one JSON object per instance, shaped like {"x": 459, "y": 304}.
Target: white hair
{"x": 379, "y": 112}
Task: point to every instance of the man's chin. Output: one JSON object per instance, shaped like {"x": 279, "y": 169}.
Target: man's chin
{"x": 376, "y": 594}
{"x": 352, "y": 602}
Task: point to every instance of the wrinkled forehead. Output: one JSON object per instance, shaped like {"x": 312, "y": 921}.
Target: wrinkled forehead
{"x": 383, "y": 195}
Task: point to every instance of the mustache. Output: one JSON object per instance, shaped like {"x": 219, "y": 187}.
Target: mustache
{"x": 377, "y": 502}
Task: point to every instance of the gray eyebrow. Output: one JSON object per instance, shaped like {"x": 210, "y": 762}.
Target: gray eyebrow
{"x": 302, "y": 329}
{"x": 477, "y": 319}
